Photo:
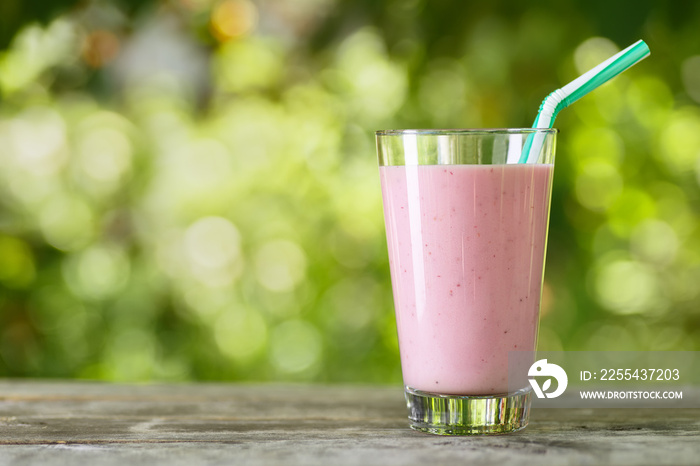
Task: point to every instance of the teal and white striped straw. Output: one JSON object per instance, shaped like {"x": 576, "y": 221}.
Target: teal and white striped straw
{"x": 562, "y": 98}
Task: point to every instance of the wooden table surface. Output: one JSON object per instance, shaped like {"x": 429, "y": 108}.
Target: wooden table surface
{"x": 63, "y": 422}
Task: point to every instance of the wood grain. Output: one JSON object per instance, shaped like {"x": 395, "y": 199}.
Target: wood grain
{"x": 62, "y": 422}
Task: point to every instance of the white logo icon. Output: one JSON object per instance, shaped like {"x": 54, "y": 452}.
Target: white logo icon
{"x": 543, "y": 368}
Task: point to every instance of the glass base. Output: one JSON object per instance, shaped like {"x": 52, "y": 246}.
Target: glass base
{"x": 468, "y": 415}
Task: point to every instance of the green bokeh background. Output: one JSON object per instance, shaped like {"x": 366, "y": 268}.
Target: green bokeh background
{"x": 189, "y": 190}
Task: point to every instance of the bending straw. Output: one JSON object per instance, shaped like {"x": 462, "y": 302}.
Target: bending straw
{"x": 562, "y": 98}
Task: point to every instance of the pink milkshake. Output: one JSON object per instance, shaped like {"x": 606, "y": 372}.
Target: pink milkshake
{"x": 466, "y": 249}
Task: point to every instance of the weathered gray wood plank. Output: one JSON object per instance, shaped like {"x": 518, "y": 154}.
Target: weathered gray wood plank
{"x": 91, "y": 423}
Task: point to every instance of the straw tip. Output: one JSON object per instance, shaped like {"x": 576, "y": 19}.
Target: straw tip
{"x": 642, "y": 46}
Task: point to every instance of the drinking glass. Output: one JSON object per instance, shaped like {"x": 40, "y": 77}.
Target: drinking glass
{"x": 466, "y": 229}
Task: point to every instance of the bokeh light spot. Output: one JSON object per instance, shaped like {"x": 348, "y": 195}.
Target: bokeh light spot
{"x": 591, "y": 52}
{"x": 674, "y": 207}
{"x": 596, "y": 144}
{"x": 296, "y": 347}
{"x": 233, "y": 18}
{"x": 250, "y": 64}
{"x": 378, "y": 85}
{"x": 654, "y": 241}
{"x": 105, "y": 154}
{"x": 66, "y": 222}
{"x": 39, "y": 137}
{"x": 609, "y": 338}
{"x": 98, "y": 272}
{"x": 241, "y": 334}
{"x": 442, "y": 93}
{"x": 598, "y": 185}
{"x": 627, "y": 287}
{"x": 351, "y": 304}
{"x": 213, "y": 251}
{"x": 628, "y": 209}
{"x": 680, "y": 140}
{"x": 650, "y": 101}
{"x": 280, "y": 265}
{"x": 130, "y": 355}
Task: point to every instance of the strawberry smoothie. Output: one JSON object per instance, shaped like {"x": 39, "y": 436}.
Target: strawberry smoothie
{"x": 466, "y": 249}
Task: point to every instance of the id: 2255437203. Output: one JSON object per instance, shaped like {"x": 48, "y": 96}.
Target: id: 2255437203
{"x": 656, "y": 375}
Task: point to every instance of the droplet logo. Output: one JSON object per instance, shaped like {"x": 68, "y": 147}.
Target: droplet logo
{"x": 542, "y": 368}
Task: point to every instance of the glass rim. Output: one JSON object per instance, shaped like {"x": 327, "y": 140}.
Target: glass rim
{"x": 464, "y": 131}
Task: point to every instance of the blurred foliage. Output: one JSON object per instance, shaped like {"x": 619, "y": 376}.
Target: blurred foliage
{"x": 189, "y": 189}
